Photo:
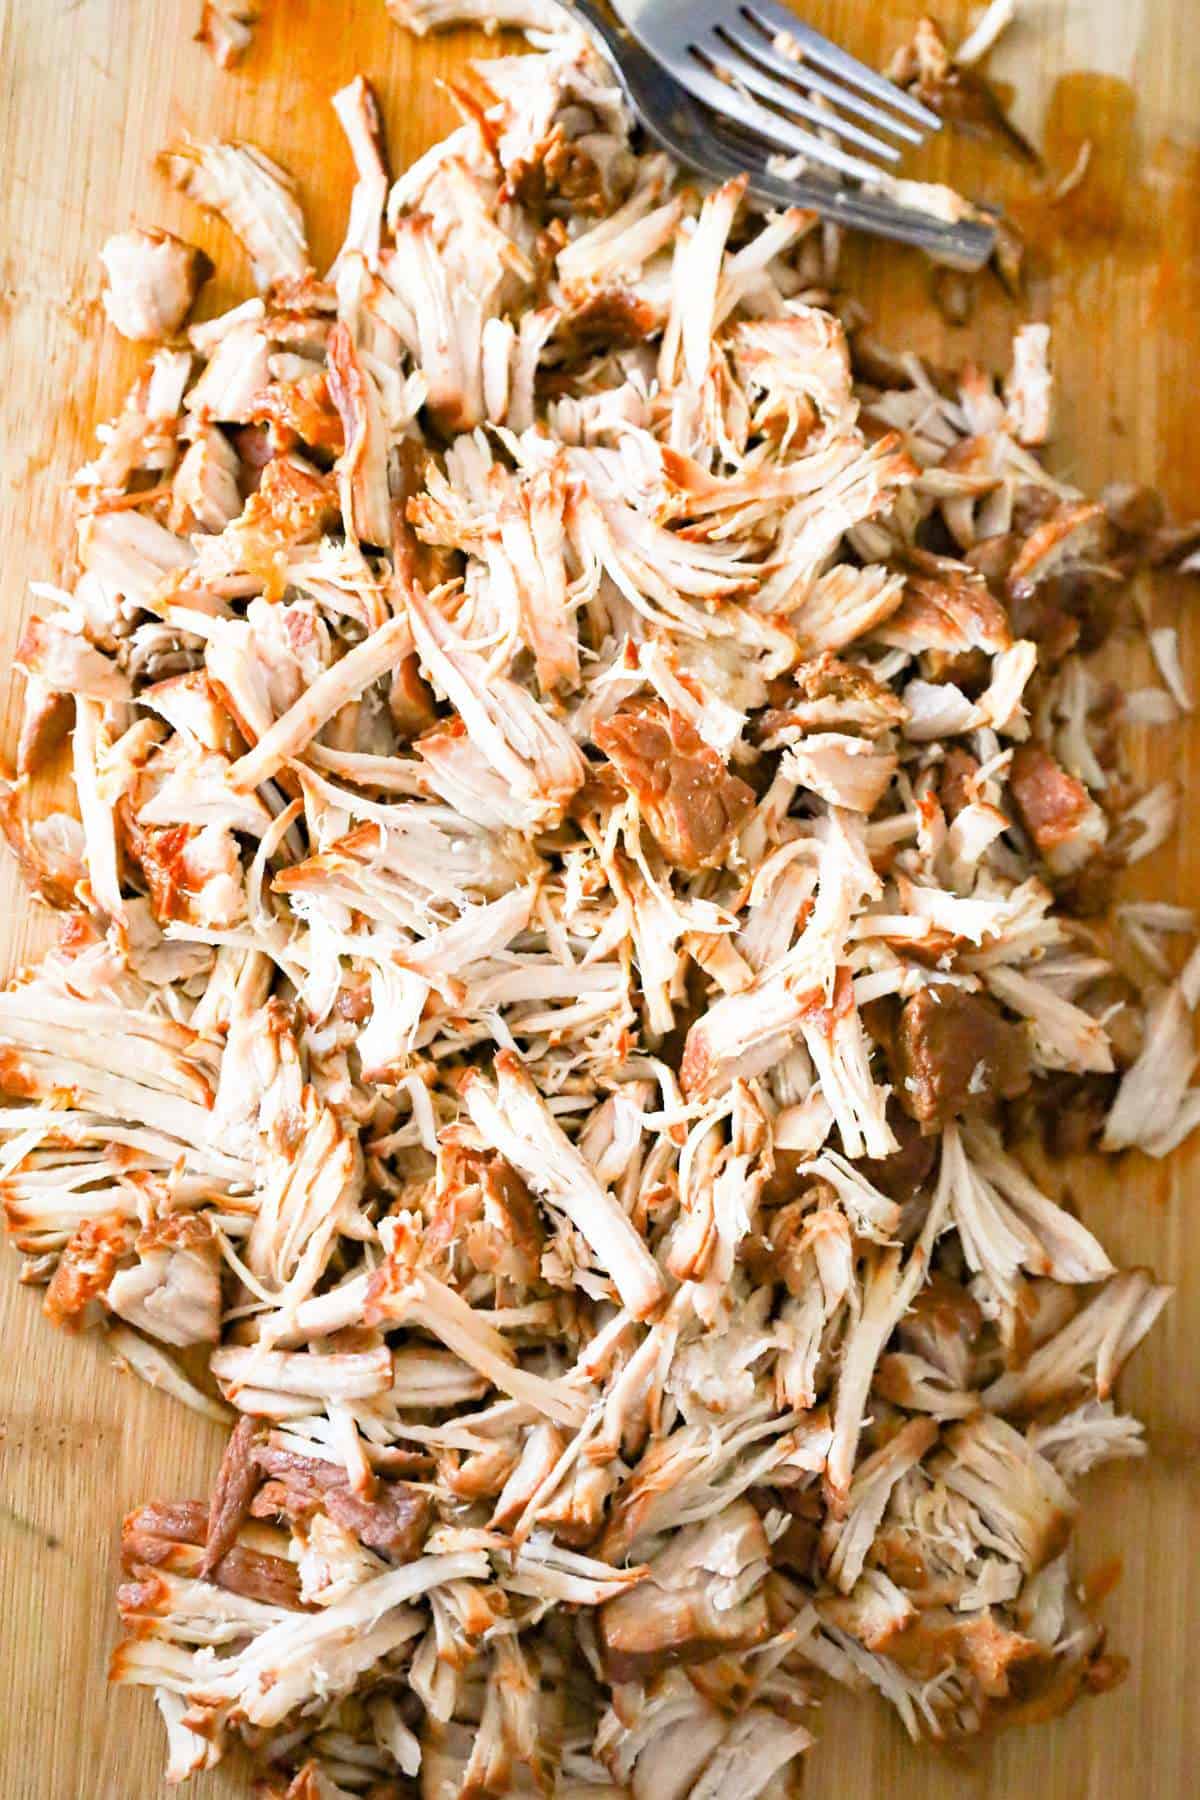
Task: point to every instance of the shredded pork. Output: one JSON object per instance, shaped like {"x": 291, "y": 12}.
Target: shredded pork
{"x": 227, "y": 29}
{"x": 573, "y": 929}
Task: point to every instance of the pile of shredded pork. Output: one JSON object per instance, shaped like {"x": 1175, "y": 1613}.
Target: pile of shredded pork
{"x": 591, "y": 900}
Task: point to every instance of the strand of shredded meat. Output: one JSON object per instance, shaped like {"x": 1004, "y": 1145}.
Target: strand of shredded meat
{"x": 588, "y": 893}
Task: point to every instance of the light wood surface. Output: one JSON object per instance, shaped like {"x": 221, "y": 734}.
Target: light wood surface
{"x": 90, "y": 90}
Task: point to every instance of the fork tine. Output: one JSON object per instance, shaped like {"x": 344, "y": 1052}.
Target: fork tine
{"x": 829, "y": 56}
{"x": 718, "y": 147}
{"x": 764, "y": 86}
{"x": 724, "y": 98}
{"x": 754, "y": 44}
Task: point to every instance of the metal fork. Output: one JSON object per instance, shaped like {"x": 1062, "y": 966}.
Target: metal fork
{"x": 722, "y": 147}
{"x": 758, "y": 63}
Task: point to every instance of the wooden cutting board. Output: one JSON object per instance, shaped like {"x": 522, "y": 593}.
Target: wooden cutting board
{"x": 91, "y": 91}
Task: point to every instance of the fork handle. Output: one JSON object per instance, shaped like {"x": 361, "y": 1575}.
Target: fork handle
{"x": 962, "y": 244}
{"x": 681, "y": 125}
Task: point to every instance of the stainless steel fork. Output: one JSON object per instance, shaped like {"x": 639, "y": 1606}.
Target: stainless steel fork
{"x": 756, "y": 62}
{"x": 722, "y": 147}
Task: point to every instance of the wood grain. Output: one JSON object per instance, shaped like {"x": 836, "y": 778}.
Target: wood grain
{"x": 90, "y": 90}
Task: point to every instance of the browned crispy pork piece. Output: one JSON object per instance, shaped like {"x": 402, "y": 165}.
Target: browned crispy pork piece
{"x": 293, "y": 504}
{"x": 87, "y": 1265}
{"x": 392, "y": 1518}
{"x": 692, "y": 804}
{"x": 827, "y": 694}
{"x": 152, "y": 281}
{"x": 237, "y": 1479}
{"x": 954, "y": 1050}
{"x": 1055, "y": 808}
{"x": 948, "y": 611}
{"x": 300, "y": 411}
{"x": 171, "y": 1536}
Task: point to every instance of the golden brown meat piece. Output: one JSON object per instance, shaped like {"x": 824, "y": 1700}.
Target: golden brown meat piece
{"x": 294, "y": 501}
{"x": 392, "y": 1522}
{"x": 237, "y": 1479}
{"x": 85, "y": 1268}
{"x": 171, "y": 1535}
{"x": 1050, "y": 804}
{"x": 691, "y": 802}
{"x": 954, "y": 1049}
{"x": 959, "y": 769}
{"x": 825, "y": 693}
{"x": 300, "y": 412}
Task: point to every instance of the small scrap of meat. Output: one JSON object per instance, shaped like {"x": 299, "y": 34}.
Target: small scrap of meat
{"x": 1075, "y": 534}
{"x": 293, "y": 504}
{"x": 152, "y": 282}
{"x": 358, "y": 114}
{"x": 906, "y": 1170}
{"x": 843, "y": 769}
{"x": 927, "y": 69}
{"x": 300, "y": 412}
{"x": 410, "y": 700}
{"x": 48, "y": 851}
{"x": 515, "y": 1120}
{"x": 955, "y": 1050}
{"x": 1055, "y": 808}
{"x": 421, "y": 16}
{"x": 190, "y": 872}
{"x": 956, "y": 784}
{"x": 85, "y": 1269}
{"x": 45, "y": 722}
{"x": 1028, "y": 391}
{"x": 65, "y": 663}
{"x": 953, "y": 294}
{"x": 692, "y": 805}
{"x": 1134, "y": 510}
{"x": 205, "y": 491}
{"x": 947, "y": 610}
{"x": 943, "y": 1326}
{"x": 227, "y": 29}
{"x": 486, "y": 1214}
